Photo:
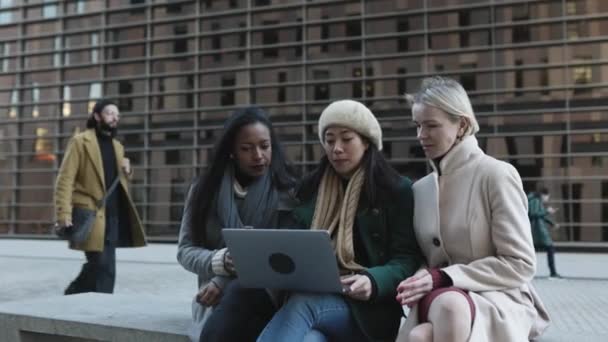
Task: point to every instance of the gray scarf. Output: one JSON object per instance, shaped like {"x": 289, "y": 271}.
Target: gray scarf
{"x": 258, "y": 208}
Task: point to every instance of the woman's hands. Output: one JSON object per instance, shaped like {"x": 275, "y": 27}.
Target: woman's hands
{"x": 412, "y": 289}
{"x": 209, "y": 295}
{"x": 357, "y": 286}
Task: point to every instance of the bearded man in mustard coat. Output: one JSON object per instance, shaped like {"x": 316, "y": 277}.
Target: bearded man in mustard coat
{"x": 93, "y": 160}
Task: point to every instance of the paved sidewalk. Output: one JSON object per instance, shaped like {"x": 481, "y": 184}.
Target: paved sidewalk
{"x": 578, "y": 303}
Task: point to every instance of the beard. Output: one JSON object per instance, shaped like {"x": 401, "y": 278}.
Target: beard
{"x": 107, "y": 129}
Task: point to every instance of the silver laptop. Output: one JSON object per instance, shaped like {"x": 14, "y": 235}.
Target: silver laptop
{"x": 287, "y": 259}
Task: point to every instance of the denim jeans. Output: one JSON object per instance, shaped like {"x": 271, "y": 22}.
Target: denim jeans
{"x": 240, "y": 316}
{"x": 312, "y": 318}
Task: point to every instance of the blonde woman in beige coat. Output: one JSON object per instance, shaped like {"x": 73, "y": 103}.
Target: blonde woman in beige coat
{"x": 472, "y": 225}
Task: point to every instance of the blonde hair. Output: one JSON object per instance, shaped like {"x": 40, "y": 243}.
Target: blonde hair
{"x": 448, "y": 95}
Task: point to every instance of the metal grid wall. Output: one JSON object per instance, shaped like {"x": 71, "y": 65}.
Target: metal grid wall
{"x": 536, "y": 71}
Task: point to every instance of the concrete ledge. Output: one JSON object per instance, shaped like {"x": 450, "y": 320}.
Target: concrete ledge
{"x": 95, "y": 317}
{"x": 581, "y": 247}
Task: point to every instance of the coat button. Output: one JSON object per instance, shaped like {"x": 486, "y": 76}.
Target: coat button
{"x": 375, "y": 211}
{"x": 436, "y": 242}
{"x": 375, "y": 236}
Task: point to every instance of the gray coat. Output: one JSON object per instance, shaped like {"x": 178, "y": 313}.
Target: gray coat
{"x": 197, "y": 259}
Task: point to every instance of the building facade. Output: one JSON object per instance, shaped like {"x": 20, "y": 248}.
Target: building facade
{"x": 536, "y": 71}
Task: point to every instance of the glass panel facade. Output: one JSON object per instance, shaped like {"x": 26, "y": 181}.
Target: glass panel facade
{"x": 536, "y": 72}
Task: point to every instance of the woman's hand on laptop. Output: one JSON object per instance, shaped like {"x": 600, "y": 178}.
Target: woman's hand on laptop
{"x": 209, "y": 295}
{"x": 359, "y": 286}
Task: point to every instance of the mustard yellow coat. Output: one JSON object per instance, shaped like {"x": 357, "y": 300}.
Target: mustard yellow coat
{"x": 81, "y": 183}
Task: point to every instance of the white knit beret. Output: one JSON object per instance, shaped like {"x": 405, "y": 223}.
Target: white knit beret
{"x": 353, "y": 115}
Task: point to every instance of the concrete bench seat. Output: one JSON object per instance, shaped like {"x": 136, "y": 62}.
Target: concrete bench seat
{"x": 96, "y": 317}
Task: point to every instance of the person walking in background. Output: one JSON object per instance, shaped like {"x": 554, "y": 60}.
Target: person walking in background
{"x": 248, "y": 183}
{"x": 366, "y": 207}
{"x": 93, "y": 160}
{"x": 539, "y": 214}
{"x": 470, "y": 218}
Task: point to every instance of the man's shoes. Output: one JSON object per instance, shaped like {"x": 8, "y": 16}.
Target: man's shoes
{"x": 555, "y": 276}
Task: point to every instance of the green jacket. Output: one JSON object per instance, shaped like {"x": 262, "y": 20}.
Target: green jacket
{"x": 390, "y": 243}
{"x": 539, "y": 219}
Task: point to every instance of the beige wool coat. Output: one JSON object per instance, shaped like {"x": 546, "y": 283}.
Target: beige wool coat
{"x": 81, "y": 183}
{"x": 472, "y": 223}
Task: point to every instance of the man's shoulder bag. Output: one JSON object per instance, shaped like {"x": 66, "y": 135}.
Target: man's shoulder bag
{"x": 83, "y": 220}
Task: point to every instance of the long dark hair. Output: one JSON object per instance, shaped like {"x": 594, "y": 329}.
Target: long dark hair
{"x": 97, "y": 109}
{"x": 206, "y": 188}
{"x": 380, "y": 184}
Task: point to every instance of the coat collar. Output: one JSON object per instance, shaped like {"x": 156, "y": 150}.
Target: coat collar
{"x": 458, "y": 156}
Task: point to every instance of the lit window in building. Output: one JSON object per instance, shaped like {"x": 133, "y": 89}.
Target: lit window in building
{"x": 575, "y": 30}
{"x": 57, "y": 55}
{"x": 581, "y": 75}
{"x": 35, "y": 100}
{"x": 49, "y": 10}
{"x": 66, "y": 109}
{"x": 6, "y": 17}
{"x": 571, "y": 7}
{"x": 4, "y": 52}
{"x": 94, "y": 50}
{"x": 94, "y": 95}
{"x": 14, "y": 102}
{"x": 43, "y": 146}
{"x": 80, "y": 6}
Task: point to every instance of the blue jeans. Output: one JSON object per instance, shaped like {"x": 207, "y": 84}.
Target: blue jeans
{"x": 311, "y": 318}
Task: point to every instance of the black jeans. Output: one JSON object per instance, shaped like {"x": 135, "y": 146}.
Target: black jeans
{"x": 98, "y": 274}
{"x": 550, "y": 257}
{"x": 241, "y": 315}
